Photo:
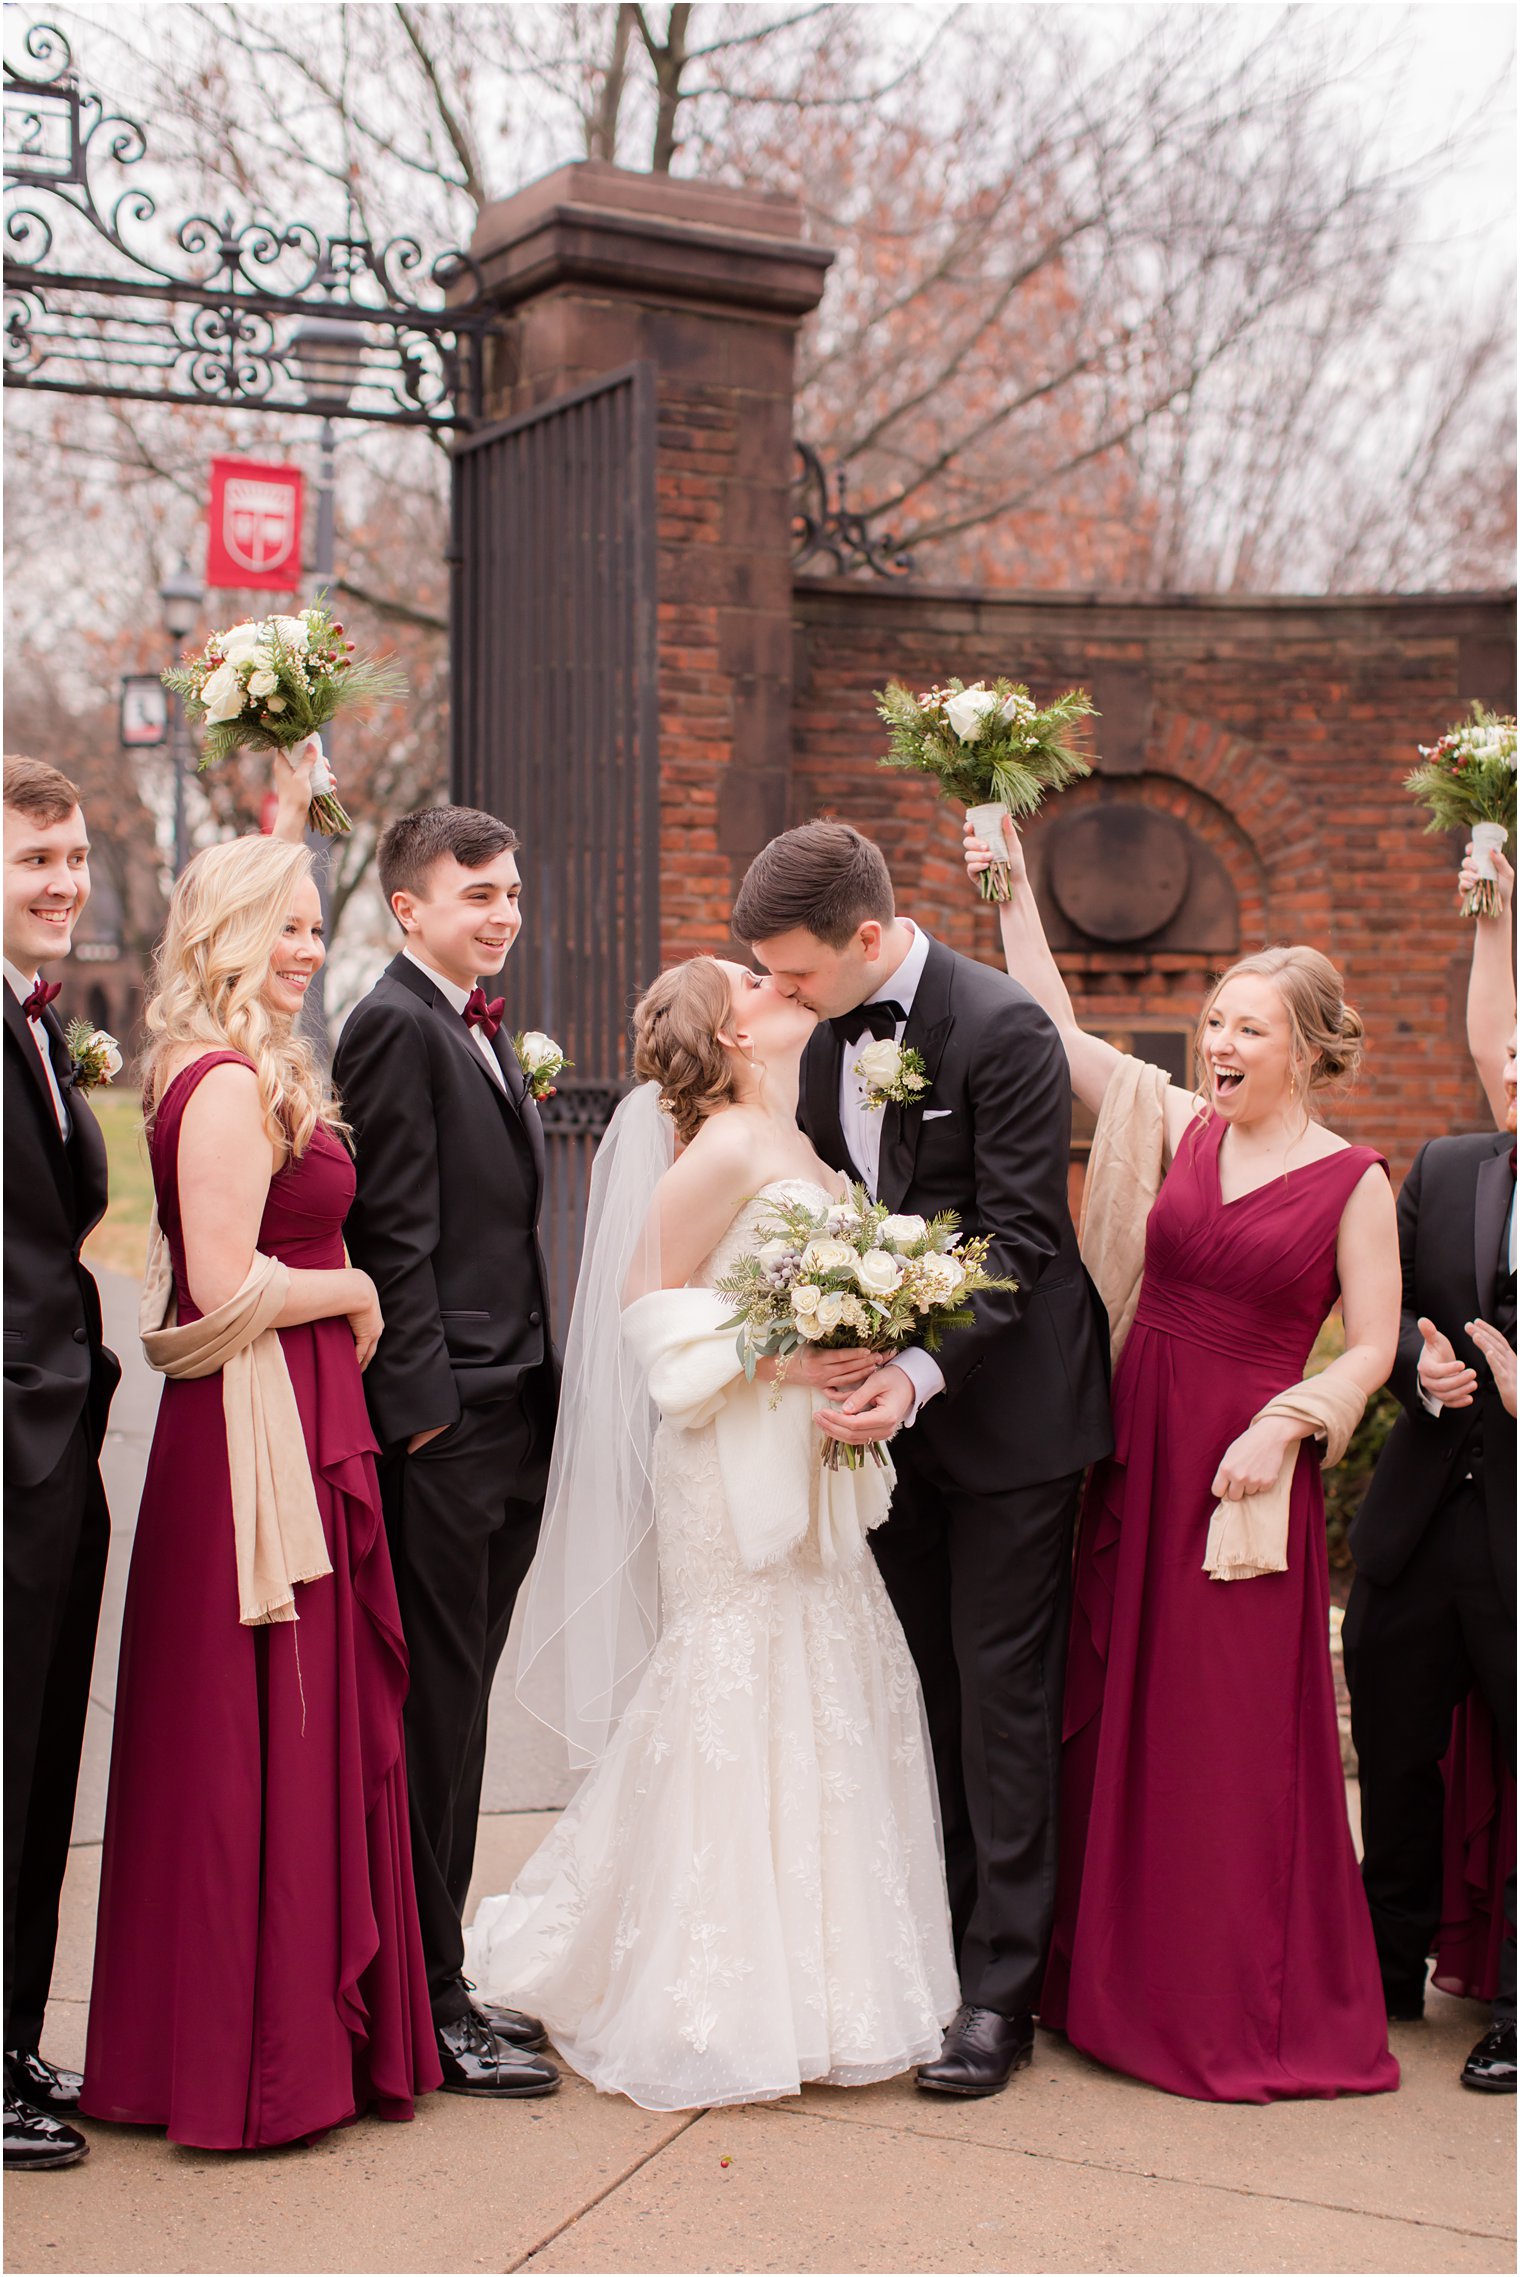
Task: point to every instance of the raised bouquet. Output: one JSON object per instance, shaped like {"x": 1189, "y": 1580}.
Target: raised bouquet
{"x": 853, "y": 1274}
{"x": 993, "y": 749}
{"x": 1467, "y": 781}
{"x": 270, "y": 682}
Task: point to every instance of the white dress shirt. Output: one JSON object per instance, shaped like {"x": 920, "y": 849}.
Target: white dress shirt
{"x": 21, "y": 988}
{"x": 459, "y": 998}
{"x": 861, "y": 1126}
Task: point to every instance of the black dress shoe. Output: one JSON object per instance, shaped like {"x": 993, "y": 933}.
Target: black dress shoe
{"x": 475, "y": 2062}
{"x": 981, "y": 2053}
{"x": 1491, "y": 2066}
{"x": 35, "y": 2139}
{"x": 509, "y": 2024}
{"x": 47, "y": 2087}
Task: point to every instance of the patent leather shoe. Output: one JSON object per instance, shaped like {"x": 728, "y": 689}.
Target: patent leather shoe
{"x": 475, "y": 2062}
{"x": 509, "y": 2024}
{"x": 1491, "y": 2066}
{"x": 981, "y": 2053}
{"x": 47, "y": 2087}
{"x": 35, "y": 2140}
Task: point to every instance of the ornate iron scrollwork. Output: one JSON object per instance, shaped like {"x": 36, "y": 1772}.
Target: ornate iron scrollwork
{"x": 102, "y": 298}
{"x": 823, "y": 525}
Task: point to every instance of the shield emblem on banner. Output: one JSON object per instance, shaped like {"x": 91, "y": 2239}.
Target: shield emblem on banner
{"x": 258, "y": 522}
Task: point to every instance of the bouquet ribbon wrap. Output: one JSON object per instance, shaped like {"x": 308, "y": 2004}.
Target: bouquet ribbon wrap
{"x": 774, "y": 1487}
{"x": 276, "y": 1525}
{"x": 1250, "y": 1537}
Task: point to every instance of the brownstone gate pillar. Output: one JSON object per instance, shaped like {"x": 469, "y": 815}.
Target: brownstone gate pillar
{"x": 599, "y": 269}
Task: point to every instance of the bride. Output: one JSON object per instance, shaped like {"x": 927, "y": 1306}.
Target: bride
{"x": 747, "y": 1891}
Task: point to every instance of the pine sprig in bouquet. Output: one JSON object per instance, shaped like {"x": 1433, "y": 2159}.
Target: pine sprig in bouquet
{"x": 992, "y": 749}
{"x": 1467, "y": 782}
{"x": 270, "y": 682}
{"x": 854, "y": 1275}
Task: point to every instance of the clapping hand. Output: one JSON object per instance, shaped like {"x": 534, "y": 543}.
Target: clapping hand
{"x": 1499, "y": 1353}
{"x": 1442, "y": 1375}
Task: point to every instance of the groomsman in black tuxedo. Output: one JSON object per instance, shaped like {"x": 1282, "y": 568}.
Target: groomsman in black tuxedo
{"x": 59, "y": 1378}
{"x": 1005, "y": 1418}
{"x": 1432, "y": 1612}
{"x": 462, "y": 1389}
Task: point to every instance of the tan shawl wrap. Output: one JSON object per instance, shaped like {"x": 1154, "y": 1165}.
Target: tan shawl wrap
{"x": 1250, "y": 1537}
{"x": 1124, "y": 1173}
{"x": 276, "y": 1526}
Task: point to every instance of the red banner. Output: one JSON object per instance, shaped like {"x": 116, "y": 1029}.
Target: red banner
{"x": 253, "y": 534}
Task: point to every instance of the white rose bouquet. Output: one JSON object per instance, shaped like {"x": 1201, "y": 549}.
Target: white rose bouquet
{"x": 1467, "y": 781}
{"x": 541, "y": 1059}
{"x": 271, "y": 682}
{"x": 849, "y": 1276}
{"x": 991, "y": 748}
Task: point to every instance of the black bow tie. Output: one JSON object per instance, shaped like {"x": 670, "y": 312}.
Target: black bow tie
{"x": 882, "y": 1019}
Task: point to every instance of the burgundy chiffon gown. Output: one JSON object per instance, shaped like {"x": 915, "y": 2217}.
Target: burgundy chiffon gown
{"x": 258, "y": 1967}
{"x": 1211, "y": 1935}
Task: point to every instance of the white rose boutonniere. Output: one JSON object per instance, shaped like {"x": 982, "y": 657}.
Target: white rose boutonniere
{"x": 891, "y": 1071}
{"x": 95, "y": 1055}
{"x": 542, "y": 1061}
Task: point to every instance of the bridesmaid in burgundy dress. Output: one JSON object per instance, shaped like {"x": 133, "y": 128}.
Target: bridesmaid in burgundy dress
{"x": 258, "y": 1969}
{"x": 1211, "y": 1935}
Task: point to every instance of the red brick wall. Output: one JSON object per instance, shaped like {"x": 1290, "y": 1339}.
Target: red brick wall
{"x": 1279, "y": 731}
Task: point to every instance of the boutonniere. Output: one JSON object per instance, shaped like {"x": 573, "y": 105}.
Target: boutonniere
{"x": 891, "y": 1072}
{"x": 541, "y": 1060}
{"x": 94, "y": 1056}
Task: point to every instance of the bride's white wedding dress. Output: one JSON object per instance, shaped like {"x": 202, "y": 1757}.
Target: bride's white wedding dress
{"x": 747, "y": 1891}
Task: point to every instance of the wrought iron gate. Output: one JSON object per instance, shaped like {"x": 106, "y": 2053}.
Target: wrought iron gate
{"x": 555, "y": 728}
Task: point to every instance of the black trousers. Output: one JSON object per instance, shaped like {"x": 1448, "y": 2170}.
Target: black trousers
{"x": 462, "y": 1516}
{"x": 981, "y": 1584}
{"x": 1413, "y": 1651}
{"x": 56, "y": 1538}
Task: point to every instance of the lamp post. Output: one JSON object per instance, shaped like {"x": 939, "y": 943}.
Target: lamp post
{"x": 182, "y": 595}
{"x": 328, "y": 358}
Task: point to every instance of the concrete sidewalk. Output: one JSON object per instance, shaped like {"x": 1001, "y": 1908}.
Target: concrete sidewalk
{"x": 1071, "y": 2169}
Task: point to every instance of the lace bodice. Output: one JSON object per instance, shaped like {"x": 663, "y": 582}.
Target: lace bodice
{"x": 752, "y": 1224}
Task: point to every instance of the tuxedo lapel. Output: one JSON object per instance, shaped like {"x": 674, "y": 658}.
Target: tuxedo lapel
{"x": 18, "y": 1028}
{"x": 1491, "y": 1204}
{"x": 929, "y": 1025}
{"x": 521, "y": 1098}
{"x": 820, "y": 1099}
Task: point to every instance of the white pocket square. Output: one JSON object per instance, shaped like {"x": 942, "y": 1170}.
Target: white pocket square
{"x": 937, "y": 1114}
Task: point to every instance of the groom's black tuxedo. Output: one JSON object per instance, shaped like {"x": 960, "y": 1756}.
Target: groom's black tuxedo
{"x": 59, "y": 1379}
{"x": 977, "y": 1551}
{"x": 445, "y": 1221}
{"x": 1432, "y": 1610}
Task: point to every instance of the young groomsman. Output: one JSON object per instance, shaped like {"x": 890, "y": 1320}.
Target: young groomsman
{"x": 1432, "y": 1611}
{"x": 462, "y": 1388}
{"x": 59, "y": 1378}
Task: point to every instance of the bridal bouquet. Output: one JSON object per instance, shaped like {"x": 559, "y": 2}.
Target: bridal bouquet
{"x": 853, "y": 1274}
{"x": 993, "y": 749}
{"x": 1468, "y": 783}
{"x": 271, "y": 682}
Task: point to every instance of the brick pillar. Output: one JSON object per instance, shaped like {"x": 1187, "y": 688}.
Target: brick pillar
{"x": 600, "y": 268}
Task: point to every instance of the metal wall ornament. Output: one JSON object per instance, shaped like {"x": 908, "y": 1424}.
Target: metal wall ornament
{"x": 103, "y": 298}
{"x": 825, "y": 527}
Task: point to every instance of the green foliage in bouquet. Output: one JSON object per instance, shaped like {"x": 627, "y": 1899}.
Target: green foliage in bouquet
{"x": 269, "y": 683}
{"x": 1467, "y": 778}
{"x": 982, "y": 743}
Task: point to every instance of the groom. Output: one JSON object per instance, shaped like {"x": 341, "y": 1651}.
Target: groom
{"x": 1004, "y": 1420}
{"x": 450, "y": 1154}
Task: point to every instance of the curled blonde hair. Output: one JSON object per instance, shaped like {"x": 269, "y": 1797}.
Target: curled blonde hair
{"x": 675, "y": 1042}
{"x": 1325, "y": 1031}
{"x": 225, "y": 921}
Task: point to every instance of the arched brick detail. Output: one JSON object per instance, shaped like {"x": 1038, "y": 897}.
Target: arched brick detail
{"x": 1271, "y": 815}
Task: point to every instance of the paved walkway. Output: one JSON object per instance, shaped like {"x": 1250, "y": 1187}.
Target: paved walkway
{"x": 1071, "y": 2169}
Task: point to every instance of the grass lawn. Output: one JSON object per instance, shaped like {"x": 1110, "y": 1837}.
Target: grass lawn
{"x": 121, "y": 1238}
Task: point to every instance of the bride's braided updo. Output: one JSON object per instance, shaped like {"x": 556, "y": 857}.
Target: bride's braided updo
{"x": 675, "y": 1042}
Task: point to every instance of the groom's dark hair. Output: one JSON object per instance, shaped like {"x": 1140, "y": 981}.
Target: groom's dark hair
{"x": 411, "y": 844}
{"x": 822, "y": 875}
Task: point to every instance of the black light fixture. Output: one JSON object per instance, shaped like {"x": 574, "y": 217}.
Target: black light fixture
{"x": 182, "y": 595}
{"x": 328, "y": 358}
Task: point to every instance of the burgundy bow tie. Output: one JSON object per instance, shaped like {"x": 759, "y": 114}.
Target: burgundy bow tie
{"x": 42, "y": 996}
{"x": 479, "y": 1014}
